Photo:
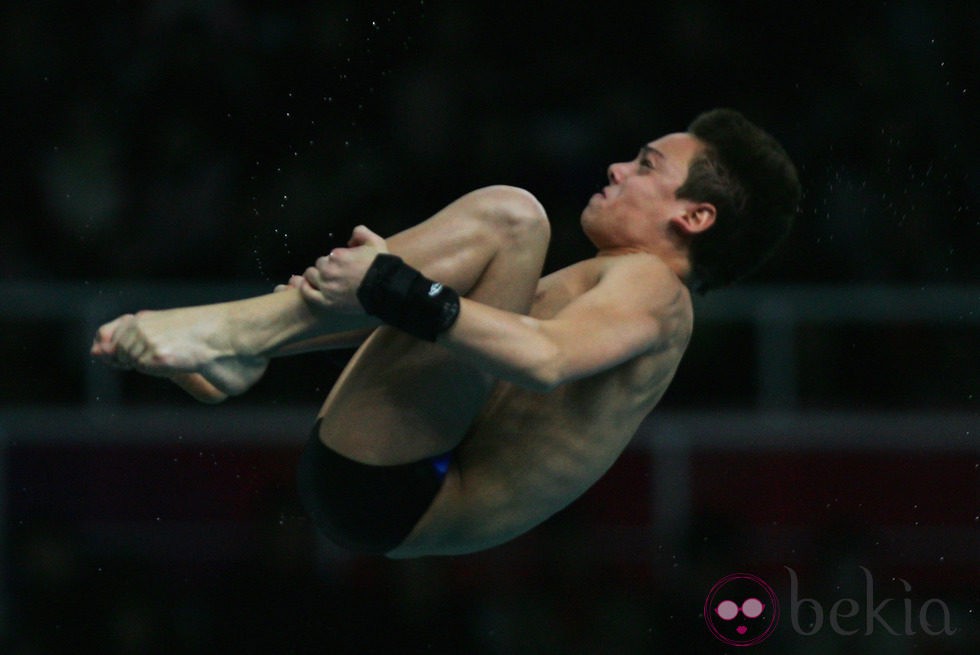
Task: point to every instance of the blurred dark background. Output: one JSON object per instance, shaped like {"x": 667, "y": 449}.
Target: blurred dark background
{"x": 173, "y": 152}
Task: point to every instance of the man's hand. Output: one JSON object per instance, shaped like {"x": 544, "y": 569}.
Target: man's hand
{"x": 333, "y": 282}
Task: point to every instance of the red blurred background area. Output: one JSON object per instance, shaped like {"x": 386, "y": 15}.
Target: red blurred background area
{"x": 170, "y": 153}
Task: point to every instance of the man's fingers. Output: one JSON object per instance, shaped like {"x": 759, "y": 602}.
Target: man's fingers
{"x": 312, "y": 277}
{"x": 295, "y": 282}
{"x": 358, "y": 236}
{"x": 362, "y": 236}
{"x": 311, "y": 294}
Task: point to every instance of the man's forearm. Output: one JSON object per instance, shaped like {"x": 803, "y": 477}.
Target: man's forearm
{"x": 509, "y": 346}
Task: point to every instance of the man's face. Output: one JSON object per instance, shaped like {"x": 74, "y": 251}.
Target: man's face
{"x": 641, "y": 195}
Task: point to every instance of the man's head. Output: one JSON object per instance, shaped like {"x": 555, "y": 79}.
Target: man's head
{"x": 717, "y": 199}
{"x": 639, "y": 210}
{"x": 749, "y": 179}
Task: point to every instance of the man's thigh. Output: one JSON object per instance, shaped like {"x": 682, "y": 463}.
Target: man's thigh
{"x": 401, "y": 400}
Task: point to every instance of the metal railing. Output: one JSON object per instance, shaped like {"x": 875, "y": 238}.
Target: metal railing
{"x": 774, "y": 313}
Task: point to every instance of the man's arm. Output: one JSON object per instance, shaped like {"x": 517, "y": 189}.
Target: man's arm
{"x": 636, "y": 307}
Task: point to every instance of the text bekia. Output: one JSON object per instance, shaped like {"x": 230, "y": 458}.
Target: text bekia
{"x": 844, "y": 615}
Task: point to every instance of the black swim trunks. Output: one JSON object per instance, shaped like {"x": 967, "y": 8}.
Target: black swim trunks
{"x": 365, "y": 508}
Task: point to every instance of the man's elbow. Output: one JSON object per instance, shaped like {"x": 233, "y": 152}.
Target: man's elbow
{"x": 547, "y": 374}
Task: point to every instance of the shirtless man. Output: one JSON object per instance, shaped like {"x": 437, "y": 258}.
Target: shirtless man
{"x": 483, "y": 398}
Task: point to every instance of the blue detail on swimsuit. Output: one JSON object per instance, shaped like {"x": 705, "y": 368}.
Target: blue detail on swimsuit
{"x": 441, "y": 463}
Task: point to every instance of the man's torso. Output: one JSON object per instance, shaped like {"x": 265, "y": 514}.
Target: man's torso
{"x": 545, "y": 450}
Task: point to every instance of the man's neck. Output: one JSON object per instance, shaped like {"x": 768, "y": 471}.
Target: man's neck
{"x": 677, "y": 261}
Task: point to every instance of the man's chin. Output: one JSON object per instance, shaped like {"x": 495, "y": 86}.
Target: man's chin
{"x": 587, "y": 223}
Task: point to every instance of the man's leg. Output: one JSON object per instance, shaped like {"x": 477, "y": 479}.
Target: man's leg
{"x": 227, "y": 345}
{"x": 366, "y": 477}
{"x": 401, "y": 399}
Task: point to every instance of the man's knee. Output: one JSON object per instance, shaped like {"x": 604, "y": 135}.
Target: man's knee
{"x": 514, "y": 214}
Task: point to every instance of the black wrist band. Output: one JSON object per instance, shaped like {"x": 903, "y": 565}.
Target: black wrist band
{"x": 404, "y": 298}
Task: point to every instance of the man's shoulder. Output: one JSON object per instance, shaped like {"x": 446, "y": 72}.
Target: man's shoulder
{"x": 639, "y": 267}
{"x": 651, "y": 287}
{"x": 604, "y": 263}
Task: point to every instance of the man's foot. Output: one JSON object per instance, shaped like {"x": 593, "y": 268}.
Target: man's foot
{"x": 179, "y": 342}
{"x": 199, "y": 388}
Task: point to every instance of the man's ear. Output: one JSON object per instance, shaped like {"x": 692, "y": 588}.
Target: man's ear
{"x": 696, "y": 219}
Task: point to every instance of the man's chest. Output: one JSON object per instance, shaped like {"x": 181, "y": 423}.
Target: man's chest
{"x": 559, "y": 289}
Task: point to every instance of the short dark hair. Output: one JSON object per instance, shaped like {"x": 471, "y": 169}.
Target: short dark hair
{"x": 747, "y": 175}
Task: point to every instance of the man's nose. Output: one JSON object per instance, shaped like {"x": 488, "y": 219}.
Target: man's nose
{"x": 617, "y": 172}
